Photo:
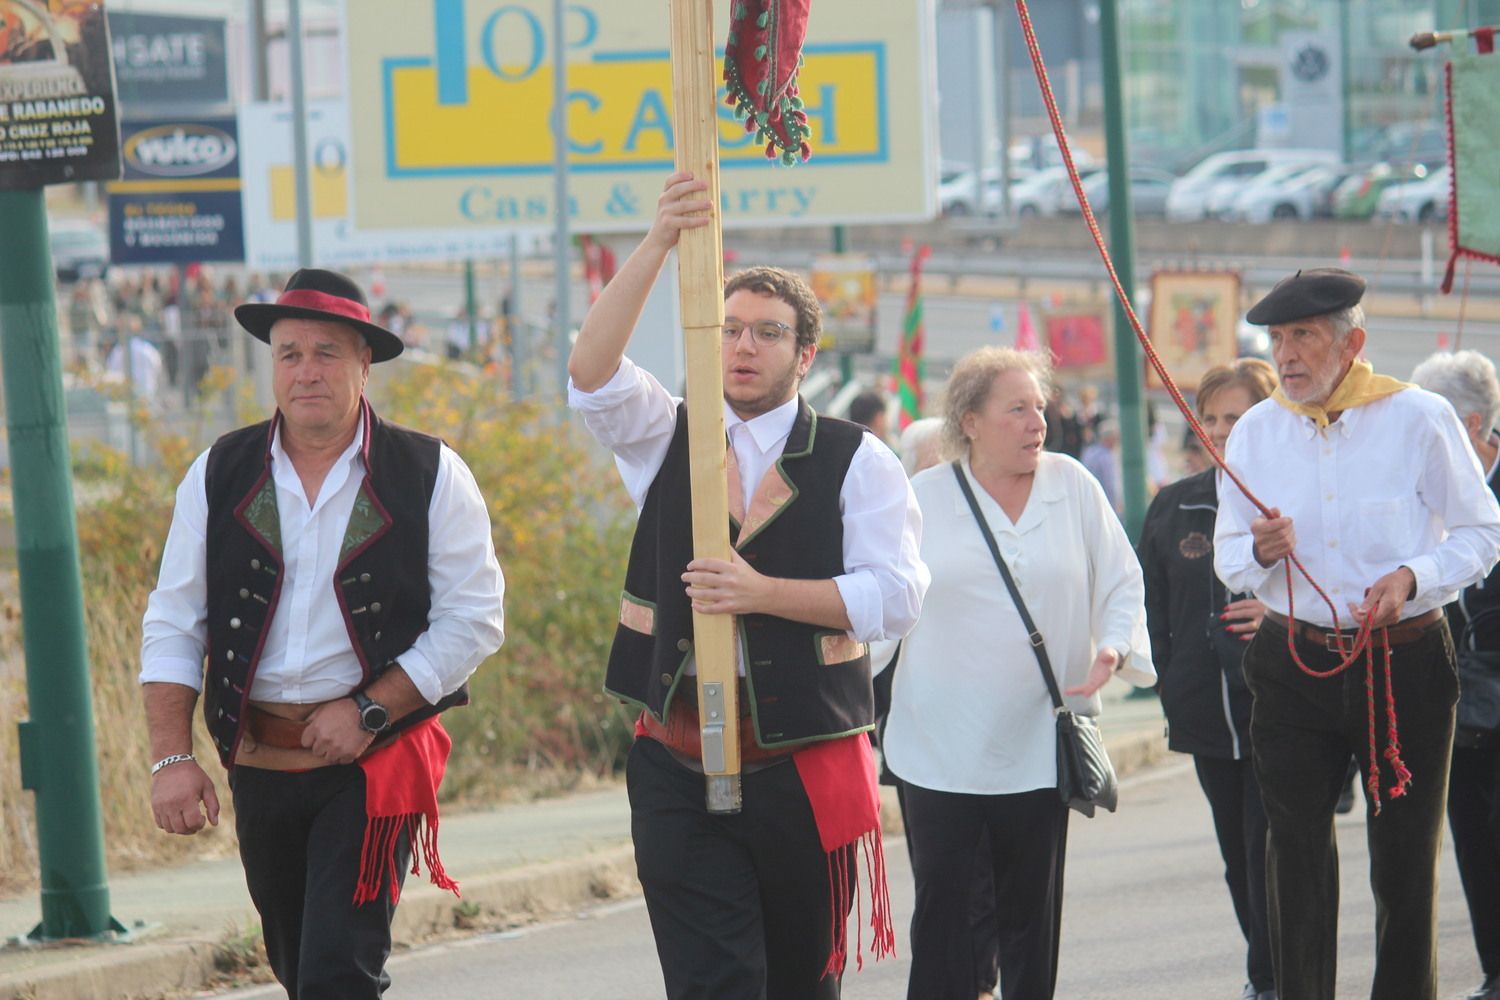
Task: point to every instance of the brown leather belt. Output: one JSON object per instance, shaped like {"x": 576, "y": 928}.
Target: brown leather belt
{"x": 273, "y": 730}
{"x": 1399, "y": 634}
{"x": 683, "y": 732}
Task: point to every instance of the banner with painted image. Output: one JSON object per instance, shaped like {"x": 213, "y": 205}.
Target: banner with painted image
{"x": 454, "y": 125}
{"x": 1077, "y": 334}
{"x": 1473, "y": 83}
{"x": 1193, "y": 323}
{"x": 846, "y": 289}
{"x": 58, "y": 114}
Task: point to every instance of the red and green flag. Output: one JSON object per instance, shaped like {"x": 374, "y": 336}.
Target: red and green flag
{"x": 908, "y": 369}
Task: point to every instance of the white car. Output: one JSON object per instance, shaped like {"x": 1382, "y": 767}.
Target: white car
{"x": 1045, "y": 192}
{"x": 1425, "y": 200}
{"x": 1148, "y": 192}
{"x": 956, "y": 194}
{"x": 1290, "y": 194}
{"x": 1191, "y": 193}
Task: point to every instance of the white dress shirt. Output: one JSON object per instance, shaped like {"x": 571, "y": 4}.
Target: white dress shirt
{"x": 308, "y": 656}
{"x": 883, "y": 580}
{"x": 970, "y": 712}
{"x": 1389, "y": 484}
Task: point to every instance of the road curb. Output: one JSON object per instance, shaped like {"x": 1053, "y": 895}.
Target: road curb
{"x": 151, "y": 968}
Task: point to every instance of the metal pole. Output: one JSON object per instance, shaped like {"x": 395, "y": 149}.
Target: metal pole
{"x": 1344, "y": 96}
{"x": 58, "y": 757}
{"x": 259, "y": 62}
{"x": 299, "y": 135}
{"x": 846, "y": 360}
{"x": 515, "y": 327}
{"x": 471, "y": 306}
{"x": 1001, "y": 57}
{"x": 1122, "y": 245}
{"x": 563, "y": 249}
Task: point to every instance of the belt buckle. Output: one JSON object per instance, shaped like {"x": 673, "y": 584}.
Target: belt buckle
{"x": 1331, "y": 639}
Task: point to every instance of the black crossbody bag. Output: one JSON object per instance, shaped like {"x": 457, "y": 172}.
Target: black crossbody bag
{"x": 1478, "y": 722}
{"x": 1085, "y": 777}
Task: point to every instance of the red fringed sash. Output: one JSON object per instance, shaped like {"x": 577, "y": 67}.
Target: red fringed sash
{"x": 839, "y": 776}
{"x": 401, "y": 783}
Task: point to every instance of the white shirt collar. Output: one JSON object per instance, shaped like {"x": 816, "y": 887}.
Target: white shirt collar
{"x": 286, "y": 472}
{"x": 767, "y": 428}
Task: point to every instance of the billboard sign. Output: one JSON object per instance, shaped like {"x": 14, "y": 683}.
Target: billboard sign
{"x": 457, "y": 128}
{"x": 179, "y": 201}
{"x": 271, "y": 207}
{"x": 163, "y": 59}
{"x": 58, "y": 116}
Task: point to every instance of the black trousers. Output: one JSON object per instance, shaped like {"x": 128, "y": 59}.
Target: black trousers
{"x": 1303, "y": 730}
{"x": 1474, "y": 818}
{"x": 740, "y": 905}
{"x": 1026, "y": 835}
{"x": 300, "y": 836}
{"x": 1240, "y": 823}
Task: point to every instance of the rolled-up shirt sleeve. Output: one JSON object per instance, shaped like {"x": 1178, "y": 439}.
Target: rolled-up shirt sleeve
{"x": 884, "y": 578}
{"x": 174, "y": 632}
{"x": 466, "y": 622}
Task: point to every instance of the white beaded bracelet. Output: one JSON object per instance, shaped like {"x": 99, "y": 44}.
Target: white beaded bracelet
{"x": 176, "y": 758}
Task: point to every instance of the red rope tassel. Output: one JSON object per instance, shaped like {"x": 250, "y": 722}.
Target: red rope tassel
{"x": 1392, "y": 737}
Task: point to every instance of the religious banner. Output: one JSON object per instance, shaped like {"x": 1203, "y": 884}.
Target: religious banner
{"x": 1193, "y": 321}
{"x": 58, "y": 116}
{"x": 1078, "y": 337}
{"x": 845, "y": 287}
{"x": 1473, "y": 108}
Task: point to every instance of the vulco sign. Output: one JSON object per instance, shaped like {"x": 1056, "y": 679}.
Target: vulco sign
{"x": 181, "y": 150}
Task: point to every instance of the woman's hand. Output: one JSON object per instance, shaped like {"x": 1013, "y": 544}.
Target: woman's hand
{"x": 1103, "y": 668}
{"x": 1243, "y": 617}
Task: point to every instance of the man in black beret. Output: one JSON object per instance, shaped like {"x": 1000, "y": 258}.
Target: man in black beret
{"x": 1377, "y": 491}
{"x": 337, "y": 573}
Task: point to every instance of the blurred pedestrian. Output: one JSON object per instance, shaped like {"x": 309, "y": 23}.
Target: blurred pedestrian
{"x": 1467, "y": 380}
{"x": 868, "y": 409}
{"x": 972, "y": 733}
{"x": 1101, "y": 456}
{"x": 1198, "y": 635}
{"x": 1377, "y": 481}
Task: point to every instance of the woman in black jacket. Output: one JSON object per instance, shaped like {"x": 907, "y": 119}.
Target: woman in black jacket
{"x": 1198, "y": 633}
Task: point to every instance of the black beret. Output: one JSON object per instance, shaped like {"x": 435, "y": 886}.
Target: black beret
{"x": 1313, "y": 292}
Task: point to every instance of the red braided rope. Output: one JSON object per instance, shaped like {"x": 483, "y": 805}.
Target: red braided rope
{"x": 1363, "y": 641}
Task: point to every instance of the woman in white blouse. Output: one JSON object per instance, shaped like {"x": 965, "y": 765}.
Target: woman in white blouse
{"x": 972, "y": 734}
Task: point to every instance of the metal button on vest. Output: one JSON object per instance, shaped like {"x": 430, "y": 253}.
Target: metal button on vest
{"x": 221, "y": 713}
{"x": 683, "y": 645}
{"x": 377, "y": 636}
{"x": 666, "y": 680}
{"x": 364, "y": 578}
{"x": 229, "y": 656}
{"x": 244, "y": 593}
{"x": 375, "y": 607}
{"x": 234, "y": 623}
{"x": 224, "y": 682}
{"x": 255, "y": 564}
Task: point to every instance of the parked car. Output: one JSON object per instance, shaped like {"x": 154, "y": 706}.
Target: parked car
{"x": 1358, "y": 195}
{"x": 1295, "y": 194}
{"x": 79, "y": 250}
{"x": 1191, "y": 193}
{"x": 1045, "y": 192}
{"x": 956, "y": 191}
{"x": 1148, "y": 192}
{"x": 1424, "y": 200}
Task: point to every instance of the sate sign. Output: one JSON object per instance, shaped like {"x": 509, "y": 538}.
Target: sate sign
{"x": 58, "y": 116}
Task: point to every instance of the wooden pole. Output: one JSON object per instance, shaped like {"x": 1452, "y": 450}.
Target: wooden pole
{"x": 700, "y": 262}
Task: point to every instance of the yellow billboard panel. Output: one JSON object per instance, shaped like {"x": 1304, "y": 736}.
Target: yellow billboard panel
{"x": 458, "y": 127}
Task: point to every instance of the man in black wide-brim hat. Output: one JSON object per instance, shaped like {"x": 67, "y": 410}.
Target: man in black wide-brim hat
{"x": 1372, "y": 482}
{"x": 338, "y": 574}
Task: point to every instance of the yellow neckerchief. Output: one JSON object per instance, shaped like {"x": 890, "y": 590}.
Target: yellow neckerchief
{"x": 1359, "y": 387}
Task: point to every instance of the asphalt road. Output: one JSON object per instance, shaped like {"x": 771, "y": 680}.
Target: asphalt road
{"x": 1146, "y": 918}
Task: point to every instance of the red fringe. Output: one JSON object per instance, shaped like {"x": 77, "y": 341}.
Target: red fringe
{"x": 377, "y": 860}
{"x": 840, "y": 887}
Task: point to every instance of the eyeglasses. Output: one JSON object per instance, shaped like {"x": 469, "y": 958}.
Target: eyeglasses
{"x": 766, "y": 332}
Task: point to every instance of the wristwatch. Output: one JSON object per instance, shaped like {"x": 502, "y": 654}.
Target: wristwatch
{"x": 374, "y": 717}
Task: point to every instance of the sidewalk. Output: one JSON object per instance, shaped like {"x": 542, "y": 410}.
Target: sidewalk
{"x": 515, "y": 860}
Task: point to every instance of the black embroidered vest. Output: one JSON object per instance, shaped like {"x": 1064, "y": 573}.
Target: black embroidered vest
{"x": 805, "y": 683}
{"x": 380, "y": 584}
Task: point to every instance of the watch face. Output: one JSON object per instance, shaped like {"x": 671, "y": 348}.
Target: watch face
{"x": 374, "y": 717}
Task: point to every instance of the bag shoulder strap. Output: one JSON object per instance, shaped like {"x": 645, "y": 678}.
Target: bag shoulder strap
{"x": 1035, "y": 637}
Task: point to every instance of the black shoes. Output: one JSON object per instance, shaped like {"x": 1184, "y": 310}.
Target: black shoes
{"x": 1488, "y": 990}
